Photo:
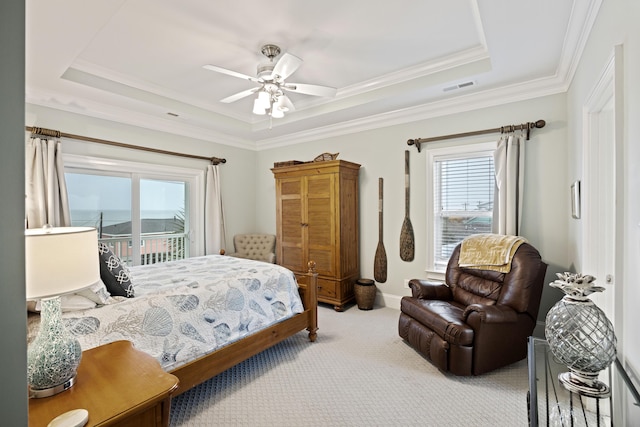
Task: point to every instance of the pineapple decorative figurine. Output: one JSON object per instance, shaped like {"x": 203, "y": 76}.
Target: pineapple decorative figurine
{"x": 580, "y": 335}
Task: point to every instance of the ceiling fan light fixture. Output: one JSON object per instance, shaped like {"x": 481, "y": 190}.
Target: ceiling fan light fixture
{"x": 264, "y": 98}
{"x": 283, "y": 103}
{"x": 277, "y": 113}
{"x": 270, "y": 99}
{"x": 258, "y": 109}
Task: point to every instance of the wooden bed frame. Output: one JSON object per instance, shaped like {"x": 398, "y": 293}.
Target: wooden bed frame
{"x": 205, "y": 367}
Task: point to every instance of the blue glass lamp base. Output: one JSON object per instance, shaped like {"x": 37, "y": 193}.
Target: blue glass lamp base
{"x": 54, "y": 355}
{"x": 46, "y": 392}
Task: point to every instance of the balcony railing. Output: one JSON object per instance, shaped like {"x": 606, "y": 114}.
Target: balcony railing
{"x": 156, "y": 247}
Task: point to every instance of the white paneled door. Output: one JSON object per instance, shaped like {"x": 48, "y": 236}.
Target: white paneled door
{"x": 601, "y": 186}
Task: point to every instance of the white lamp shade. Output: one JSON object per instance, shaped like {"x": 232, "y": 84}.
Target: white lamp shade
{"x": 258, "y": 108}
{"x": 60, "y": 260}
{"x": 277, "y": 113}
{"x": 265, "y": 100}
{"x": 284, "y": 103}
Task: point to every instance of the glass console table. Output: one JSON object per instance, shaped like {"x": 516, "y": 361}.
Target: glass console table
{"x": 550, "y": 404}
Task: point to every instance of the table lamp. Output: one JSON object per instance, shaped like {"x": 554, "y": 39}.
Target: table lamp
{"x": 58, "y": 261}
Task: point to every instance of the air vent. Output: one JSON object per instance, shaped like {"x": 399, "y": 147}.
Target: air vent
{"x": 458, "y": 86}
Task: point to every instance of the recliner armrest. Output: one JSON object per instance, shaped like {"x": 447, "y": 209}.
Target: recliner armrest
{"x": 423, "y": 289}
{"x": 492, "y": 313}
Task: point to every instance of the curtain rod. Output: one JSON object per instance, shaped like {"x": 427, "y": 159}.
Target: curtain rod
{"x": 58, "y": 134}
{"x": 504, "y": 129}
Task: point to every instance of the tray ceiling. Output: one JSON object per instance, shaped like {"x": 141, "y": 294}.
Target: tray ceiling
{"x": 140, "y": 61}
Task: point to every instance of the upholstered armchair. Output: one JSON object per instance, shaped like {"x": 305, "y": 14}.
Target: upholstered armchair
{"x": 480, "y": 319}
{"x": 260, "y": 247}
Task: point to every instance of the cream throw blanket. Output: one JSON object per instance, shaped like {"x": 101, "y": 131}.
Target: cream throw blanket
{"x": 489, "y": 251}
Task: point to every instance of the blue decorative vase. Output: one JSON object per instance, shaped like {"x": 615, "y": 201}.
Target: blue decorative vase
{"x": 54, "y": 355}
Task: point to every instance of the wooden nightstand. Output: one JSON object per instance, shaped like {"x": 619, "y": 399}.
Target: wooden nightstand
{"x": 118, "y": 385}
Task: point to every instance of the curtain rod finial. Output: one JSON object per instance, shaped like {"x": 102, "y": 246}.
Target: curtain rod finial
{"x": 415, "y": 142}
{"x": 217, "y": 160}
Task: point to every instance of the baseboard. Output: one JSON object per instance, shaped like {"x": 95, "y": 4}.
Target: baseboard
{"x": 388, "y": 300}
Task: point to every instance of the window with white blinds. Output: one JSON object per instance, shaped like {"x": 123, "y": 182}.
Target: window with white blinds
{"x": 461, "y": 200}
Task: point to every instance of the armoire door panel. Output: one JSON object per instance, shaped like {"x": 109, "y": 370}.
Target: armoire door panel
{"x": 292, "y": 226}
{"x": 325, "y": 261}
{"x": 290, "y": 187}
{"x": 320, "y": 186}
{"x": 292, "y": 258}
{"x": 321, "y": 223}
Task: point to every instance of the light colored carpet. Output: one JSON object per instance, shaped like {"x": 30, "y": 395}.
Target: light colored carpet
{"x": 358, "y": 373}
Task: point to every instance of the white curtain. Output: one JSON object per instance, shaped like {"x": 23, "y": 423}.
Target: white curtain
{"x": 509, "y": 165}
{"x": 214, "y": 238}
{"x": 47, "y": 201}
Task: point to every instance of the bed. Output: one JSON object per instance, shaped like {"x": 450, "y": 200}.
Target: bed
{"x": 202, "y": 315}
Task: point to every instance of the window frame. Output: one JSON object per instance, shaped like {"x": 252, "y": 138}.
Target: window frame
{"x": 193, "y": 177}
{"x": 446, "y": 152}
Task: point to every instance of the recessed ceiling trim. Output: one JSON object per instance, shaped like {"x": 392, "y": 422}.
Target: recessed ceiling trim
{"x": 132, "y": 87}
{"x": 127, "y": 117}
{"x": 576, "y": 39}
{"x": 475, "y": 54}
{"x": 460, "y": 104}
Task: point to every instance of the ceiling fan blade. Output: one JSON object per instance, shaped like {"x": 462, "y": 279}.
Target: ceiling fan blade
{"x": 239, "y": 95}
{"x": 314, "y": 90}
{"x": 230, "y": 73}
{"x": 286, "y": 65}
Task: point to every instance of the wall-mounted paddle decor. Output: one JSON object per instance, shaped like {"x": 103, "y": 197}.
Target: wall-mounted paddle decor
{"x": 407, "y": 243}
{"x": 380, "y": 261}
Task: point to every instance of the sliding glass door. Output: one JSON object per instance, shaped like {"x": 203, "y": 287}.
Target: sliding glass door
{"x": 146, "y": 213}
{"x": 143, "y": 220}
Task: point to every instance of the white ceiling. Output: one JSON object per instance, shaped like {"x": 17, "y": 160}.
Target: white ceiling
{"x": 140, "y": 61}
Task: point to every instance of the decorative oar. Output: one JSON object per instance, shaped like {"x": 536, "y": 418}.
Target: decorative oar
{"x": 380, "y": 261}
{"x": 407, "y": 243}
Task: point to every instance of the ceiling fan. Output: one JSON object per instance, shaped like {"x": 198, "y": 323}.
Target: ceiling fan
{"x": 271, "y": 88}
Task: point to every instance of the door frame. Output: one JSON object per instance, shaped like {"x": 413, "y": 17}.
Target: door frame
{"x": 603, "y": 129}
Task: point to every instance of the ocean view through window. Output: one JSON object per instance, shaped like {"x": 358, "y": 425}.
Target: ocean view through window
{"x": 144, "y": 221}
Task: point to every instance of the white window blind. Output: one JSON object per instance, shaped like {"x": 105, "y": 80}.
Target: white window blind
{"x": 463, "y": 201}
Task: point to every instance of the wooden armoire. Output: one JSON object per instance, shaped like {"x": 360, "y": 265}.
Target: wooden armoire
{"x": 317, "y": 220}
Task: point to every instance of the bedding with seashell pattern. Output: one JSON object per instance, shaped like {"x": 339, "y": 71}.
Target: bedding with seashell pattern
{"x": 188, "y": 308}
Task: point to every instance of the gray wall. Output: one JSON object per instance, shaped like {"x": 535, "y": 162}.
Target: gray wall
{"x": 13, "y": 393}
{"x": 381, "y": 154}
{"x": 249, "y": 189}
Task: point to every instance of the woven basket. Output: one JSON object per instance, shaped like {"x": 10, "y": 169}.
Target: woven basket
{"x": 365, "y": 292}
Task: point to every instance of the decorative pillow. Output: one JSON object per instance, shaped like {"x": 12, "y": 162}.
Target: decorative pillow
{"x": 97, "y": 293}
{"x": 113, "y": 273}
{"x": 71, "y": 302}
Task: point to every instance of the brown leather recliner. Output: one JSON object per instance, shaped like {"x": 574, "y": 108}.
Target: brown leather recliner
{"x": 480, "y": 320}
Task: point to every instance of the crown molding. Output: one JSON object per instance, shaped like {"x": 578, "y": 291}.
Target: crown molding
{"x": 57, "y": 101}
{"x": 464, "y": 103}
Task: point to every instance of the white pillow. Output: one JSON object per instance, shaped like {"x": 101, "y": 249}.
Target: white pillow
{"x": 97, "y": 293}
{"x": 71, "y": 302}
